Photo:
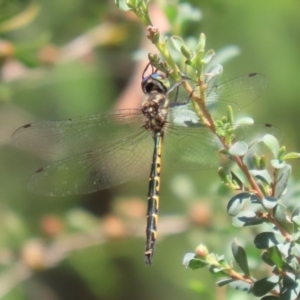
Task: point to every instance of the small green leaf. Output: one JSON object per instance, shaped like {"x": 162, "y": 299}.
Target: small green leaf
{"x": 281, "y": 152}
{"x": 208, "y": 56}
{"x": 225, "y": 177}
{"x": 275, "y": 257}
{"x": 222, "y": 261}
{"x": 187, "y": 53}
{"x": 240, "y": 257}
{"x": 201, "y": 45}
{"x": 256, "y": 160}
{"x": 272, "y": 143}
{"x": 265, "y": 240}
{"x": 230, "y": 116}
{"x": 266, "y": 258}
{"x": 197, "y": 61}
{"x": 217, "y": 263}
{"x": 237, "y": 202}
{"x": 265, "y": 285}
{"x": 291, "y": 155}
{"x": 177, "y": 42}
{"x": 216, "y": 269}
{"x": 278, "y": 164}
{"x": 239, "y": 148}
{"x": 263, "y": 162}
{"x": 237, "y": 181}
{"x": 190, "y": 261}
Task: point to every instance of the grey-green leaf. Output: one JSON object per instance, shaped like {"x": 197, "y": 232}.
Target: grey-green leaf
{"x": 225, "y": 281}
{"x": 291, "y": 292}
{"x": 278, "y": 164}
{"x": 266, "y": 257}
{"x": 265, "y": 285}
{"x": 265, "y": 240}
{"x": 240, "y": 257}
{"x": 295, "y": 250}
{"x": 289, "y": 280}
{"x": 283, "y": 177}
{"x": 246, "y": 218}
{"x": 275, "y": 256}
{"x": 271, "y": 143}
{"x": 177, "y": 42}
{"x": 208, "y": 56}
{"x": 269, "y": 202}
{"x": 192, "y": 262}
{"x": 187, "y": 258}
{"x": 262, "y": 175}
{"x": 296, "y": 215}
{"x": 237, "y": 202}
{"x": 281, "y": 217}
{"x": 241, "y": 285}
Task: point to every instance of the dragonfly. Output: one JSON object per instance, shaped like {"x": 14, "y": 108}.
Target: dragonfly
{"x": 100, "y": 151}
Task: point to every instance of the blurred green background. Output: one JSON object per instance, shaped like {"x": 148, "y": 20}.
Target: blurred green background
{"x": 75, "y": 58}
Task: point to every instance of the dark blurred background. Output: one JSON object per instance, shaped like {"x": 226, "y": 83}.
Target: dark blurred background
{"x": 64, "y": 59}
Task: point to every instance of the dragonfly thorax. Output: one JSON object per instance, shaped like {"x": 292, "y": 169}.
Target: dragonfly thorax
{"x": 155, "y": 110}
{"x": 155, "y": 107}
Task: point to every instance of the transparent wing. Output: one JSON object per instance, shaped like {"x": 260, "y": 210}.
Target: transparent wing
{"x": 75, "y": 136}
{"x": 101, "y": 168}
{"x": 198, "y": 148}
{"x": 253, "y": 134}
{"x": 191, "y": 147}
{"x": 121, "y": 160}
{"x": 238, "y": 92}
{"x": 254, "y": 139}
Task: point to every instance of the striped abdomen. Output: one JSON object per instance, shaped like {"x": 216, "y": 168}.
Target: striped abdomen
{"x": 153, "y": 198}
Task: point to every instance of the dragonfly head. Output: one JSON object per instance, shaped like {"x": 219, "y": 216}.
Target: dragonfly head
{"x": 155, "y": 83}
